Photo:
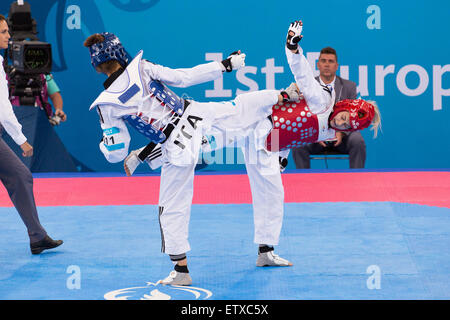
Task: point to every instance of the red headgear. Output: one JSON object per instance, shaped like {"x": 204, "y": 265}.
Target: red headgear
{"x": 361, "y": 113}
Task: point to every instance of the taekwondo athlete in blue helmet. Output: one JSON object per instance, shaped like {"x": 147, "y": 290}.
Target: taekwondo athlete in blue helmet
{"x": 136, "y": 94}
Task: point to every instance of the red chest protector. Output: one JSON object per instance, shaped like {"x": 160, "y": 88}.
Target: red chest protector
{"x": 293, "y": 126}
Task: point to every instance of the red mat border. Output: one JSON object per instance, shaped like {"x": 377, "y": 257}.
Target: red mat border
{"x": 425, "y": 188}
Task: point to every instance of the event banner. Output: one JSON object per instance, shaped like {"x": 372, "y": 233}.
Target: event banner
{"x": 397, "y": 52}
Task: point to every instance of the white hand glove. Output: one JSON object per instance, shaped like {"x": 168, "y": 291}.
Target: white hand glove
{"x": 131, "y": 162}
{"x": 237, "y": 61}
{"x": 294, "y": 35}
{"x": 291, "y": 93}
{"x": 234, "y": 61}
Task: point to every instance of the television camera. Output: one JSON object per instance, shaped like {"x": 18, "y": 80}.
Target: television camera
{"x": 27, "y": 59}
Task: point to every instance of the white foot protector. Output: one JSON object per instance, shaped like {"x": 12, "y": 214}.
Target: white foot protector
{"x": 270, "y": 259}
{"x": 177, "y": 278}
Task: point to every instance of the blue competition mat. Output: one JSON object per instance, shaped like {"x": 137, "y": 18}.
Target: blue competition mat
{"x": 363, "y": 250}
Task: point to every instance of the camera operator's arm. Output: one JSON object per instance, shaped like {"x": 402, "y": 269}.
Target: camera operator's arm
{"x": 55, "y": 96}
{"x": 58, "y": 105}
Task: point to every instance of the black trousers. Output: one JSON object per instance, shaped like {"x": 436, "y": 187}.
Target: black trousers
{"x": 352, "y": 144}
{"x": 18, "y": 181}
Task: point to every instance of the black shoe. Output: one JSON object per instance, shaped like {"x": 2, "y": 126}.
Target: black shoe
{"x": 44, "y": 244}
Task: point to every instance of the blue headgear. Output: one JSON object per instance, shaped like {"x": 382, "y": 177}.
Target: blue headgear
{"x": 109, "y": 49}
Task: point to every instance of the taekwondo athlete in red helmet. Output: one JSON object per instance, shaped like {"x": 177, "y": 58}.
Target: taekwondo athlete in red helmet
{"x": 315, "y": 117}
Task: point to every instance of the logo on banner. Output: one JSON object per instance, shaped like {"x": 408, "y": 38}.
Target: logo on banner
{"x": 157, "y": 291}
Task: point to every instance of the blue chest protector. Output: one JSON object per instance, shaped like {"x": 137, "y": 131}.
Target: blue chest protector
{"x": 166, "y": 97}
{"x": 145, "y": 128}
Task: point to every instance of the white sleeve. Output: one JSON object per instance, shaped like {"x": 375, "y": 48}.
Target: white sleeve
{"x": 7, "y": 117}
{"x": 183, "y": 77}
{"x": 317, "y": 98}
{"x": 116, "y": 138}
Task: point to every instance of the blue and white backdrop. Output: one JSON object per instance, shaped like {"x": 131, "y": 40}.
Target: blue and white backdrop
{"x": 396, "y": 51}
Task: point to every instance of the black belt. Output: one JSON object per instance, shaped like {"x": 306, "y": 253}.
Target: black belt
{"x": 167, "y": 131}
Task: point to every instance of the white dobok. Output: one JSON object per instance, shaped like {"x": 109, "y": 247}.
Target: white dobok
{"x": 245, "y": 118}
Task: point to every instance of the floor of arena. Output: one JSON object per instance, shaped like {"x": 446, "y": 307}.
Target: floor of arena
{"x": 350, "y": 235}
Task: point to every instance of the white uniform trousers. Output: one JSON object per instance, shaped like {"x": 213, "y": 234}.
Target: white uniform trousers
{"x": 176, "y": 186}
{"x": 175, "y": 199}
{"x": 267, "y": 194}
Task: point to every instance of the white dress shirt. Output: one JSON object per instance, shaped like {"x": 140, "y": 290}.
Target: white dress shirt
{"x": 7, "y": 117}
{"x": 329, "y": 84}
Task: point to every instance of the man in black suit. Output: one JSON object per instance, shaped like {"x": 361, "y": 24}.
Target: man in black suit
{"x": 14, "y": 175}
{"x": 351, "y": 143}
